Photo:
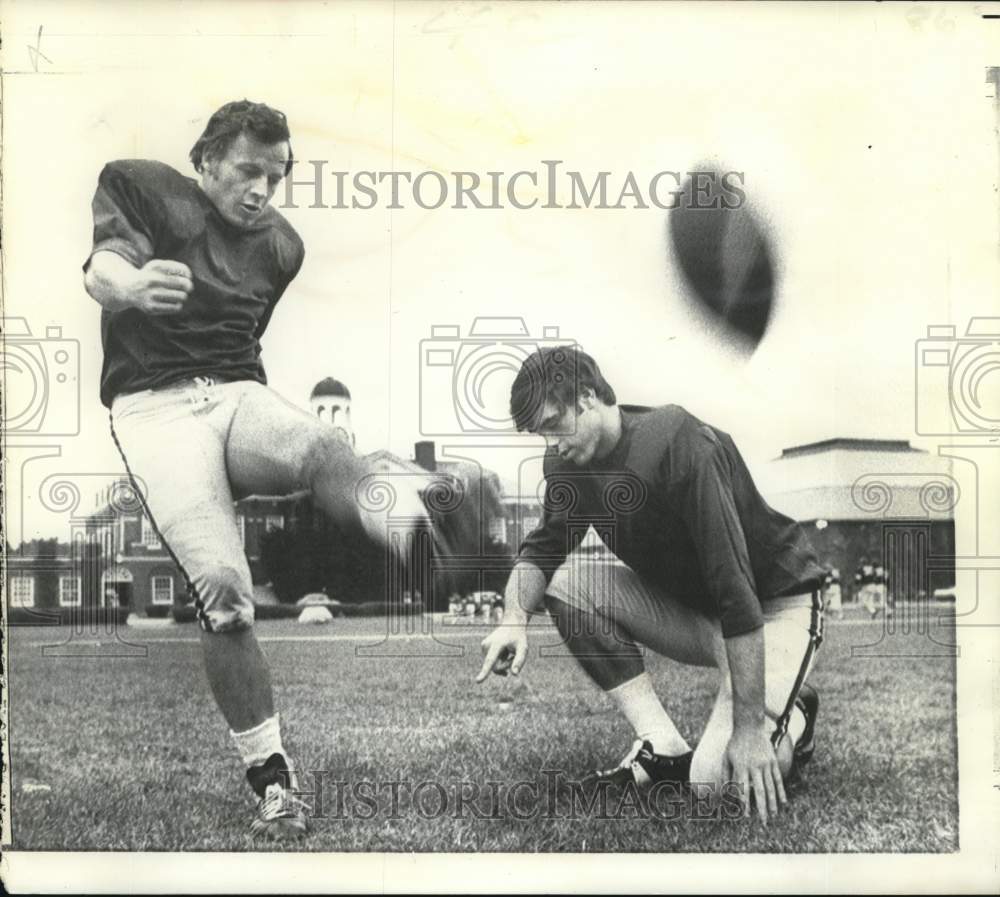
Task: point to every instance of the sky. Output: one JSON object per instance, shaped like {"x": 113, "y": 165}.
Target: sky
{"x": 867, "y": 136}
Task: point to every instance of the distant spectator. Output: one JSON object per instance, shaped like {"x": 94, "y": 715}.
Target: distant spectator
{"x": 866, "y": 590}
{"x": 881, "y": 589}
{"x": 832, "y": 596}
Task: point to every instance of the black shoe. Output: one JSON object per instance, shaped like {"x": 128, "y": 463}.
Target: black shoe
{"x": 644, "y": 767}
{"x": 281, "y": 815}
{"x": 808, "y": 703}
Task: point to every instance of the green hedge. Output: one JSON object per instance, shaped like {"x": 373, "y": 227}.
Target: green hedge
{"x": 186, "y": 613}
{"x": 66, "y": 616}
{"x": 376, "y": 609}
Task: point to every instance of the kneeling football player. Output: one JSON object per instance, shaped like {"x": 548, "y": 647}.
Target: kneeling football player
{"x": 673, "y": 548}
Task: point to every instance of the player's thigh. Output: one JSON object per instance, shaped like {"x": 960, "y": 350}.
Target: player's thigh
{"x": 594, "y": 580}
{"x": 673, "y": 629}
{"x": 177, "y": 461}
{"x": 175, "y": 457}
{"x": 272, "y": 444}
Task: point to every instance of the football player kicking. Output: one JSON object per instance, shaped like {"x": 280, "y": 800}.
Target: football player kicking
{"x": 653, "y": 533}
{"x": 188, "y": 273}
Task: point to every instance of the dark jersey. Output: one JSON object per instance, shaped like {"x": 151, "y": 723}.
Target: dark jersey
{"x": 675, "y": 501}
{"x": 145, "y": 210}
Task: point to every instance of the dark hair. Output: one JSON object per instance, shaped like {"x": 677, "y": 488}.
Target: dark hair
{"x": 558, "y": 374}
{"x": 258, "y": 120}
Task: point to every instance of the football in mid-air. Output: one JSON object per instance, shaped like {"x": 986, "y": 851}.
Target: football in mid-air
{"x": 724, "y": 253}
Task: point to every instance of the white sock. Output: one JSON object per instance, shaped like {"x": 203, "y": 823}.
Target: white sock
{"x": 257, "y": 744}
{"x": 642, "y": 708}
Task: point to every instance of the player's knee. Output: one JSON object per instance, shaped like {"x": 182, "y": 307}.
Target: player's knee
{"x": 584, "y": 630}
{"x": 323, "y": 445}
{"x": 226, "y": 598}
{"x": 324, "y": 452}
{"x": 566, "y": 616}
{"x": 553, "y": 604}
{"x": 558, "y": 610}
{"x": 570, "y": 589}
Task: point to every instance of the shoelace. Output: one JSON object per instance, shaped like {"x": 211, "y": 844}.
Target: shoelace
{"x": 278, "y": 803}
{"x": 627, "y": 760}
{"x": 630, "y": 757}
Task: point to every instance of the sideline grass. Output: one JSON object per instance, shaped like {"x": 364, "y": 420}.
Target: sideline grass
{"x": 137, "y": 758}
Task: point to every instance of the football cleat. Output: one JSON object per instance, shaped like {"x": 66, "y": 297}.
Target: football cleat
{"x": 644, "y": 767}
{"x": 281, "y": 814}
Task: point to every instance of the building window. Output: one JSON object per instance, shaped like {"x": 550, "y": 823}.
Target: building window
{"x": 22, "y": 591}
{"x": 103, "y": 536}
{"x": 530, "y": 524}
{"x": 498, "y": 529}
{"x": 150, "y": 537}
{"x": 70, "y": 592}
{"x": 273, "y": 521}
{"x": 163, "y": 590}
{"x": 241, "y": 525}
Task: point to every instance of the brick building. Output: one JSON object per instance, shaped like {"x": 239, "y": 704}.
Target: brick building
{"x": 881, "y": 499}
{"x": 127, "y": 565}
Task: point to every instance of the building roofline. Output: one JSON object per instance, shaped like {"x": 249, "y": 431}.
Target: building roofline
{"x": 901, "y": 446}
{"x": 330, "y": 387}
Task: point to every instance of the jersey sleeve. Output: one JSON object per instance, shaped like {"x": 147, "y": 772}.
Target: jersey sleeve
{"x": 286, "y": 277}
{"x": 546, "y": 547}
{"x": 126, "y": 220}
{"x": 708, "y": 508}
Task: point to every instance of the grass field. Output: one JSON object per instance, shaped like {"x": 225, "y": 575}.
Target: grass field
{"x": 130, "y": 753}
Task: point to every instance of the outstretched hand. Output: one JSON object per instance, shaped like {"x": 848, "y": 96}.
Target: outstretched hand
{"x": 506, "y": 649}
{"x": 750, "y": 762}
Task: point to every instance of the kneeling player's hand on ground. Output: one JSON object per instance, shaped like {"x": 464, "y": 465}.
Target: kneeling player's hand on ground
{"x": 160, "y": 287}
{"x": 506, "y": 649}
{"x": 750, "y": 762}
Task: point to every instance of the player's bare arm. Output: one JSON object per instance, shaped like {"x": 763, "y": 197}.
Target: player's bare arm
{"x": 750, "y": 760}
{"x": 160, "y": 287}
{"x": 506, "y": 647}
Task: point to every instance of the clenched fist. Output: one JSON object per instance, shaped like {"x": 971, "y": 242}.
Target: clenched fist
{"x": 160, "y": 287}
